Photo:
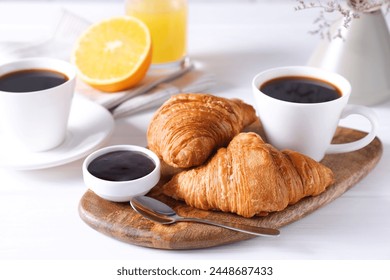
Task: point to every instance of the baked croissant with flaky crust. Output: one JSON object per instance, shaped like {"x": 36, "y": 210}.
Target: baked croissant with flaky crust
{"x": 250, "y": 177}
{"x": 188, "y": 128}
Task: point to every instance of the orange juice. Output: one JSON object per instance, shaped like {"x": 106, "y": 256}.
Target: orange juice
{"x": 167, "y": 23}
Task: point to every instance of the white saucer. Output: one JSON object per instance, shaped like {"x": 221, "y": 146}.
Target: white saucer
{"x": 89, "y": 126}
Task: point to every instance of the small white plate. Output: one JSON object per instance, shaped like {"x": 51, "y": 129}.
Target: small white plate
{"x": 89, "y": 126}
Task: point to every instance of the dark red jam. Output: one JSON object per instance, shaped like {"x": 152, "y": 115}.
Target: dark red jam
{"x": 121, "y": 166}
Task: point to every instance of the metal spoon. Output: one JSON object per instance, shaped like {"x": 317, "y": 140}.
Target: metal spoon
{"x": 159, "y": 212}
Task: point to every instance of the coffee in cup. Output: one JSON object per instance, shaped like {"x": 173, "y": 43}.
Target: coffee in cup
{"x": 31, "y": 80}
{"x": 300, "y": 89}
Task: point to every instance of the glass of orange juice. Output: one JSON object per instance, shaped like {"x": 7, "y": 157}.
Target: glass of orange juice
{"x": 167, "y": 22}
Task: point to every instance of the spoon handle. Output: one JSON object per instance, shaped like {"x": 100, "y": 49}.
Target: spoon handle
{"x": 259, "y": 231}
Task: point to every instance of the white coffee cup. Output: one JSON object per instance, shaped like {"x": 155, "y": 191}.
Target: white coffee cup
{"x": 308, "y": 128}
{"x": 37, "y": 120}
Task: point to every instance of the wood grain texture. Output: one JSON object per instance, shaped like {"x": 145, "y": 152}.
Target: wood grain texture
{"x": 119, "y": 221}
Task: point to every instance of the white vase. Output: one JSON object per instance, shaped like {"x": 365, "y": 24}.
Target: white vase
{"x": 362, "y": 56}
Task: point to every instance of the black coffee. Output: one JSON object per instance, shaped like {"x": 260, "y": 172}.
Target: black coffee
{"x": 300, "y": 90}
{"x": 31, "y": 80}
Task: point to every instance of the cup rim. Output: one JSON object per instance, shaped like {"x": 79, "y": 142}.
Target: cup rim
{"x": 308, "y": 71}
{"x": 15, "y": 65}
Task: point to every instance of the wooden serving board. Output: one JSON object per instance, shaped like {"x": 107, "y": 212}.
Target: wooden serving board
{"x": 120, "y": 221}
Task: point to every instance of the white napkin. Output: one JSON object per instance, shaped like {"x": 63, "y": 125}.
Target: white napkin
{"x": 153, "y": 78}
{"x": 58, "y": 44}
{"x": 154, "y": 89}
{"x": 192, "y": 82}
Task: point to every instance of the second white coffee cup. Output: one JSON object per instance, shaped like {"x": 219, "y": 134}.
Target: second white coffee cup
{"x": 308, "y": 127}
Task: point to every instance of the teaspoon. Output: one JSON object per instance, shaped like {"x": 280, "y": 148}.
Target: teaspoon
{"x": 159, "y": 212}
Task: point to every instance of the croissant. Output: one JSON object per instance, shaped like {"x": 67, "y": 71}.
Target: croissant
{"x": 250, "y": 177}
{"x": 188, "y": 128}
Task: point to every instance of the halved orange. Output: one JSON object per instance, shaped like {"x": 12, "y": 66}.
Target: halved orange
{"x": 113, "y": 54}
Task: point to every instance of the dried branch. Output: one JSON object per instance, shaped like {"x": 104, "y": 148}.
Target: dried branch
{"x": 348, "y": 10}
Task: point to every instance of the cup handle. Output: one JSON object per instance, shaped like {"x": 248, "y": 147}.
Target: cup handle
{"x": 358, "y": 144}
